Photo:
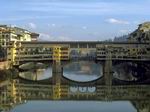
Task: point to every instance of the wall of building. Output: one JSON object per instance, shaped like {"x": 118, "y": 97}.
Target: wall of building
{"x": 42, "y": 51}
{"x": 4, "y": 65}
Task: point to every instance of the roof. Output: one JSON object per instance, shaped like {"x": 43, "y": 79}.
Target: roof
{"x": 80, "y": 42}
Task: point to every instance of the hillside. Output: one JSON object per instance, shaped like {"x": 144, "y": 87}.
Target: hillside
{"x": 142, "y": 34}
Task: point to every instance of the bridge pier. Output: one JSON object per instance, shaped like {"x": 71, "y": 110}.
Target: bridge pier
{"x": 56, "y": 75}
{"x": 108, "y": 72}
{"x": 108, "y": 67}
{"x": 57, "y": 72}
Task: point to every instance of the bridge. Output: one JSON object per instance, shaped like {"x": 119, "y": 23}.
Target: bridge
{"x": 21, "y": 52}
{"x": 58, "y": 87}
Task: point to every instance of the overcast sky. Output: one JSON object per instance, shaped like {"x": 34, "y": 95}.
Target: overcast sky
{"x": 75, "y": 19}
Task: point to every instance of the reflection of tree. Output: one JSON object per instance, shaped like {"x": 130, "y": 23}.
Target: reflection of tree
{"x": 131, "y": 71}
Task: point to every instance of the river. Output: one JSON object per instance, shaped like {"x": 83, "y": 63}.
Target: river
{"x": 78, "y": 71}
{"x": 74, "y": 106}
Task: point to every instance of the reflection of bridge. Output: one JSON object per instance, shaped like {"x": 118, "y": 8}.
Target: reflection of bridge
{"x": 20, "y": 90}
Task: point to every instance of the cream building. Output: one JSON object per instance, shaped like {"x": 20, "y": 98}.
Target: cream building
{"x": 8, "y": 33}
{"x": 142, "y": 34}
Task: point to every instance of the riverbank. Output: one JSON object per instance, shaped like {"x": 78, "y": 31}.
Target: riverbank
{"x": 6, "y": 74}
{"x": 4, "y": 65}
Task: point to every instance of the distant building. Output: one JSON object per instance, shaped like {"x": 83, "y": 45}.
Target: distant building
{"x": 8, "y": 34}
{"x": 142, "y": 34}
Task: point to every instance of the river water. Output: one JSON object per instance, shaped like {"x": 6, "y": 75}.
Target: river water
{"x": 74, "y": 106}
{"x": 78, "y": 71}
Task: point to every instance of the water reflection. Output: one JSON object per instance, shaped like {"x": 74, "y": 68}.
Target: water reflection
{"x": 83, "y": 71}
{"x": 78, "y": 71}
{"x": 9, "y": 98}
{"x": 131, "y": 71}
{"x": 75, "y": 106}
{"x": 38, "y": 74}
{"x": 83, "y": 89}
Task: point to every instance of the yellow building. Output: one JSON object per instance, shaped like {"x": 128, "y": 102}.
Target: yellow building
{"x": 35, "y": 51}
{"x": 8, "y": 34}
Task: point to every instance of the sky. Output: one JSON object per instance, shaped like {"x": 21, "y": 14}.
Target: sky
{"x": 69, "y": 20}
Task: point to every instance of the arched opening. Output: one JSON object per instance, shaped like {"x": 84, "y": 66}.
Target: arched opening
{"x": 37, "y": 73}
{"x": 83, "y": 71}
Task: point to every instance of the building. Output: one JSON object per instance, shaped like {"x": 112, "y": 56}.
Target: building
{"x": 36, "y": 51}
{"x": 34, "y": 36}
{"x": 142, "y": 34}
{"x": 9, "y": 33}
{"x": 19, "y": 52}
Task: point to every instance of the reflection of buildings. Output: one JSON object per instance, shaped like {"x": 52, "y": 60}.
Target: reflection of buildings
{"x": 14, "y": 92}
{"x": 8, "y": 95}
{"x": 32, "y": 75}
{"x": 37, "y": 74}
{"x": 28, "y": 75}
{"x": 86, "y": 69}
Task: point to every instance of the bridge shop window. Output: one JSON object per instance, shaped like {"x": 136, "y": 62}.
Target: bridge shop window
{"x": 101, "y": 56}
{"x": 64, "y": 52}
{"x": 73, "y": 45}
{"x": 83, "y": 45}
{"x": 64, "y": 56}
{"x": 92, "y": 45}
{"x": 64, "y": 48}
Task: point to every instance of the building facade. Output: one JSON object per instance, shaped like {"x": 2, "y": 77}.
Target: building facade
{"x": 142, "y": 34}
{"x": 19, "y": 52}
{"x": 8, "y": 34}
